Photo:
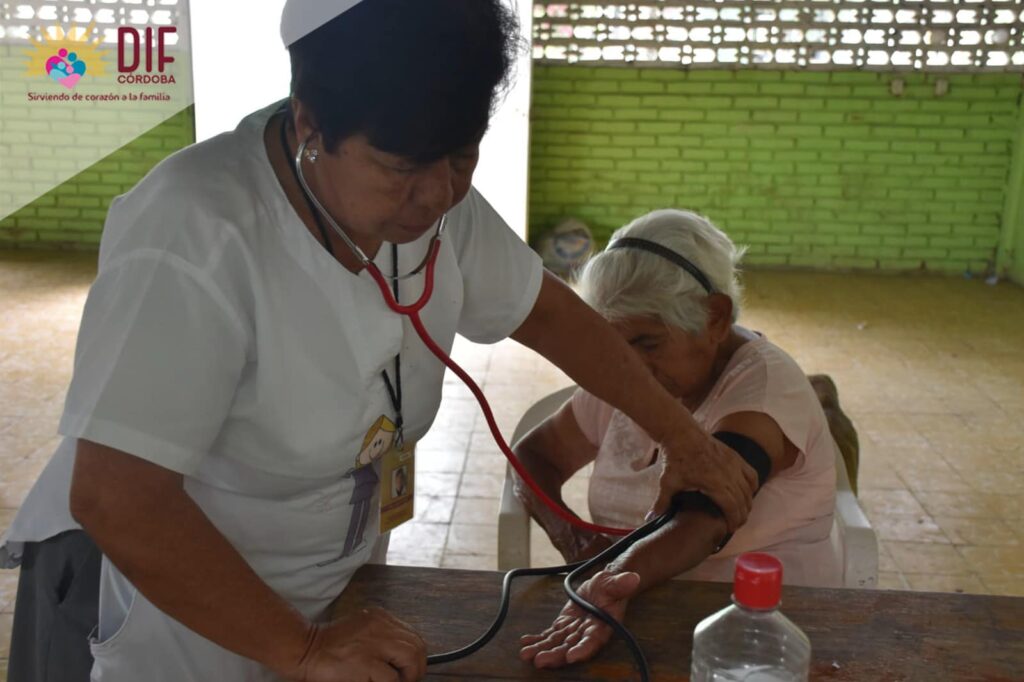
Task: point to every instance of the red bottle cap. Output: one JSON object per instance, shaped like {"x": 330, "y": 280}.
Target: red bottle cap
{"x": 758, "y": 581}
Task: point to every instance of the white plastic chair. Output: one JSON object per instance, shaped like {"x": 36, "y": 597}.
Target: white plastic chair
{"x": 851, "y": 531}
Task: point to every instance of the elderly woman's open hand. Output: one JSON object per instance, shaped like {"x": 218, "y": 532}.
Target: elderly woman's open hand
{"x": 577, "y": 635}
{"x": 708, "y": 465}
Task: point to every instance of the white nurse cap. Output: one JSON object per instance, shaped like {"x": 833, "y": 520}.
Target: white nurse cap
{"x": 302, "y": 17}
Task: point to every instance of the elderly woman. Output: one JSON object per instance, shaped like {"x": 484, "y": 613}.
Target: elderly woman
{"x": 668, "y": 284}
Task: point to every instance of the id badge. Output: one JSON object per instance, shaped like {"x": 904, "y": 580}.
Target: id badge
{"x": 398, "y": 471}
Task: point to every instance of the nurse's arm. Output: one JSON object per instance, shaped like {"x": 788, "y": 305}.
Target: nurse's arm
{"x": 566, "y": 331}
{"x": 142, "y": 519}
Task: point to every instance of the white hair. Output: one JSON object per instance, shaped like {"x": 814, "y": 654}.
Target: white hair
{"x": 629, "y": 282}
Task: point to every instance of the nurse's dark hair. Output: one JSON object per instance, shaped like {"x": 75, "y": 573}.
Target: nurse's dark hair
{"x": 419, "y": 78}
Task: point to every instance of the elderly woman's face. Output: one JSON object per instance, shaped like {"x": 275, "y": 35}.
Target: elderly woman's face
{"x": 378, "y": 195}
{"x": 681, "y": 362}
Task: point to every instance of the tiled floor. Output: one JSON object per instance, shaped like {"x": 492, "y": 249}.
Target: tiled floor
{"x": 931, "y": 370}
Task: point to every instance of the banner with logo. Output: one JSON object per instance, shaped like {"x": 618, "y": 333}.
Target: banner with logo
{"x": 79, "y": 82}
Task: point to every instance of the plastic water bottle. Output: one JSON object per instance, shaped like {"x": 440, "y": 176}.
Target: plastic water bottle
{"x": 751, "y": 641}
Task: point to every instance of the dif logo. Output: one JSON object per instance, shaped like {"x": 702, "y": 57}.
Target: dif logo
{"x": 142, "y": 56}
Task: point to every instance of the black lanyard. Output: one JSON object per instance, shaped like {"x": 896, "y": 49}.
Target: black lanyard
{"x": 394, "y": 390}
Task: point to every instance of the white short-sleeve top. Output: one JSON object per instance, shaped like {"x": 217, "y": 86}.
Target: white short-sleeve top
{"x": 220, "y": 340}
{"x": 792, "y": 515}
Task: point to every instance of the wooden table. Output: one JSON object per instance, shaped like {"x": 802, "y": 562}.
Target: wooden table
{"x": 867, "y": 635}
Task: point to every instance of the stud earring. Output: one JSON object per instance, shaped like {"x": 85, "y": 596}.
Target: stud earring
{"x": 312, "y": 155}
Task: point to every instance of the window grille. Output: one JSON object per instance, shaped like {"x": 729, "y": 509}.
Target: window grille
{"x": 925, "y": 35}
{"x": 21, "y": 20}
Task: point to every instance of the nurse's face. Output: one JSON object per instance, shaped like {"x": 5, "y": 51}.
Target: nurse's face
{"x": 377, "y": 196}
{"x": 686, "y": 365}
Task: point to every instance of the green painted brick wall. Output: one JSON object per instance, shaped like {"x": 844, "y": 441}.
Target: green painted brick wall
{"x": 810, "y": 169}
{"x": 71, "y": 215}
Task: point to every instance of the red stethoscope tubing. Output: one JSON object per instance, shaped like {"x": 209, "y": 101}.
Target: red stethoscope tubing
{"x": 412, "y": 311}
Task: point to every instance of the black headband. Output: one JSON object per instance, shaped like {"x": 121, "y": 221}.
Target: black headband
{"x": 664, "y": 252}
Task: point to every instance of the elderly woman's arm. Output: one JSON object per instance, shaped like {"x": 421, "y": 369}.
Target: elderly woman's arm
{"x": 562, "y": 328}
{"x": 692, "y": 537}
{"x": 552, "y": 453}
{"x": 678, "y": 546}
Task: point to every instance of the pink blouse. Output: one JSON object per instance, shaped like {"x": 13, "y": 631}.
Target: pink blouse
{"x": 792, "y": 514}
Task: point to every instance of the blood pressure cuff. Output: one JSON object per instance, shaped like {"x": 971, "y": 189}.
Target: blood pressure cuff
{"x": 752, "y": 453}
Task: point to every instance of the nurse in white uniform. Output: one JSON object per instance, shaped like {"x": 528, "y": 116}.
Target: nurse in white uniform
{"x": 238, "y": 376}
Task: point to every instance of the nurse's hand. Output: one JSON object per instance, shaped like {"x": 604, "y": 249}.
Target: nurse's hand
{"x": 372, "y": 646}
{"x": 706, "y": 464}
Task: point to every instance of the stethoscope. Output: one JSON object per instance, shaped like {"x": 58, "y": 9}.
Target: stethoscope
{"x": 412, "y": 311}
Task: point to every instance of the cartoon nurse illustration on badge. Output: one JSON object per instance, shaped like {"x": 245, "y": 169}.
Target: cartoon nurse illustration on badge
{"x": 378, "y": 440}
